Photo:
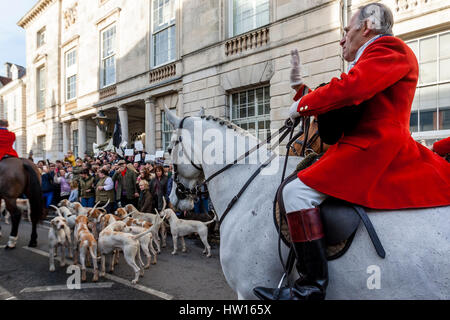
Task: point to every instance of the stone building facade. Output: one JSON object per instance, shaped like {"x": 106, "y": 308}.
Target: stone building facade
{"x": 130, "y": 58}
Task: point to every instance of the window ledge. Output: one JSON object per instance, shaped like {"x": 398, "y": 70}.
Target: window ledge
{"x": 108, "y": 91}
{"x": 71, "y": 104}
{"x": 40, "y": 114}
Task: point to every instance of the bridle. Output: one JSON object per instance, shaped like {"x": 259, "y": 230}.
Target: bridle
{"x": 309, "y": 142}
{"x": 183, "y": 191}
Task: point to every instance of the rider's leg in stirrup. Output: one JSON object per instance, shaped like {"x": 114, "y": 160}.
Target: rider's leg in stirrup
{"x": 305, "y": 226}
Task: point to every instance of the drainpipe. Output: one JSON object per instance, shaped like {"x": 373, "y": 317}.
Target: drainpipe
{"x": 344, "y": 24}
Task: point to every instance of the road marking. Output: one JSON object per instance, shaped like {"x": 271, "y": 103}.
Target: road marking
{"x": 3, "y": 246}
{"x": 64, "y": 287}
{"x": 6, "y": 295}
{"x": 127, "y": 283}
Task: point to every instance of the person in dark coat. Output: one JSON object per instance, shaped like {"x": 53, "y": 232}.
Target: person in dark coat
{"x": 126, "y": 192}
{"x": 47, "y": 186}
{"x": 158, "y": 187}
{"x": 146, "y": 198}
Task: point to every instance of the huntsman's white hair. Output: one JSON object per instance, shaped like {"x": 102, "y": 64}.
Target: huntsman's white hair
{"x": 379, "y": 15}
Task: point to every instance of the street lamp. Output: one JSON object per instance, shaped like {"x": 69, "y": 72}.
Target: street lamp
{"x": 101, "y": 120}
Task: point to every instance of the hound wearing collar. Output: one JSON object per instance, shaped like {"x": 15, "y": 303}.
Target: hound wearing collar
{"x": 58, "y": 236}
{"x": 112, "y": 237}
{"x": 181, "y": 228}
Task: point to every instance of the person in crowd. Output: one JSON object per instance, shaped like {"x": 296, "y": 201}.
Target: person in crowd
{"x": 158, "y": 187}
{"x": 70, "y": 158}
{"x": 144, "y": 174}
{"x": 73, "y": 197}
{"x": 201, "y": 205}
{"x": 60, "y": 179}
{"x": 126, "y": 189}
{"x": 47, "y": 186}
{"x": 105, "y": 190}
{"x": 56, "y": 187}
{"x": 77, "y": 169}
{"x": 87, "y": 191}
{"x": 146, "y": 198}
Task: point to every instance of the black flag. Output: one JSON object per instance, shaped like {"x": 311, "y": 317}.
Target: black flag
{"x": 117, "y": 134}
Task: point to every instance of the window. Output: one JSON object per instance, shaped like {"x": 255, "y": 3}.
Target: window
{"x": 431, "y": 106}
{"x": 75, "y": 142}
{"x": 248, "y": 15}
{"x": 40, "y": 148}
{"x": 41, "y": 89}
{"x": 251, "y": 111}
{"x": 166, "y": 130}
{"x": 71, "y": 75}
{"x": 41, "y": 37}
{"x": 163, "y": 32}
{"x": 108, "y": 57}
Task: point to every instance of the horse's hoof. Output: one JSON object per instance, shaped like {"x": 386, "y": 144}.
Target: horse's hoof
{"x": 32, "y": 244}
{"x": 9, "y": 248}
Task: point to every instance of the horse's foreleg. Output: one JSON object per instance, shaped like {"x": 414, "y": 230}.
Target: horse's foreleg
{"x": 15, "y": 220}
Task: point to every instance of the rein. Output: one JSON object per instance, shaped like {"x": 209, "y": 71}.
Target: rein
{"x": 182, "y": 191}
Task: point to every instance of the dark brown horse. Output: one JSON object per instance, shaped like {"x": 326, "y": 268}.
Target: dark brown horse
{"x": 18, "y": 177}
{"x": 314, "y": 142}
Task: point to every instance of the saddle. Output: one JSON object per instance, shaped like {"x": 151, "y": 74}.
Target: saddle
{"x": 340, "y": 219}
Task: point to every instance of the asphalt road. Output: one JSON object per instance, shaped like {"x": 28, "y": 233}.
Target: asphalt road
{"x": 24, "y": 274}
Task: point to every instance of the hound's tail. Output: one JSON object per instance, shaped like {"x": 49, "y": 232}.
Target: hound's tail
{"x": 57, "y": 210}
{"x": 211, "y": 221}
{"x": 140, "y": 235}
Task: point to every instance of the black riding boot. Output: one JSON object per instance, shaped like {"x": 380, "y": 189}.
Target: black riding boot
{"x": 306, "y": 231}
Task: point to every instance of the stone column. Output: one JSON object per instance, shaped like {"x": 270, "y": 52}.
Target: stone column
{"x": 180, "y": 103}
{"x": 150, "y": 126}
{"x": 82, "y": 138}
{"x": 123, "y": 115}
{"x": 66, "y": 137}
{"x": 101, "y": 135}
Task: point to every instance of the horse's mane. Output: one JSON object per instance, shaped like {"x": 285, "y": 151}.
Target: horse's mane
{"x": 227, "y": 123}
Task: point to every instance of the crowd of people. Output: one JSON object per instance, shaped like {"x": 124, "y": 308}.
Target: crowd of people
{"x": 111, "y": 181}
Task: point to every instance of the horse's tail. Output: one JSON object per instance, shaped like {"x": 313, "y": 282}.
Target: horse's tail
{"x": 34, "y": 193}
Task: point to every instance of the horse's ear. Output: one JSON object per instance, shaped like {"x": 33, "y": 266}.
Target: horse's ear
{"x": 172, "y": 117}
{"x": 201, "y": 113}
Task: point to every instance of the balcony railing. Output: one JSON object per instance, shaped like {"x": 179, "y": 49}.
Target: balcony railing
{"x": 162, "y": 73}
{"x": 248, "y": 41}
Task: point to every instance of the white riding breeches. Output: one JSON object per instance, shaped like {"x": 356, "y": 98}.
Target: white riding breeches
{"x": 298, "y": 196}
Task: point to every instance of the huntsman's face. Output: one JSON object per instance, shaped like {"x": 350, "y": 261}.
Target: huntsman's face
{"x": 353, "y": 39}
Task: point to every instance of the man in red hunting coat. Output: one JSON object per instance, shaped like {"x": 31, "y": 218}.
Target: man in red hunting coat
{"x": 377, "y": 164}
{"x": 7, "y": 139}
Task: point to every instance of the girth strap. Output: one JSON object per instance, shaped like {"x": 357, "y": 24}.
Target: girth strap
{"x": 371, "y": 231}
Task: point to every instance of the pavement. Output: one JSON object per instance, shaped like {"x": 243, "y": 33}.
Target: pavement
{"x": 25, "y": 275}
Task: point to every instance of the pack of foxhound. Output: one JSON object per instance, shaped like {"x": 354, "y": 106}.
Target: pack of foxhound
{"x": 89, "y": 235}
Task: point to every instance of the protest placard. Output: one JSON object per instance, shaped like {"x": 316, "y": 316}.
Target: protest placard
{"x": 139, "y": 146}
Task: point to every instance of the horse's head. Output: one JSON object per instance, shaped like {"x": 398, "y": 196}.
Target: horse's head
{"x": 184, "y": 152}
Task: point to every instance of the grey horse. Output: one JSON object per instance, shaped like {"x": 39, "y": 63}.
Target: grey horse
{"x": 417, "y": 262}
